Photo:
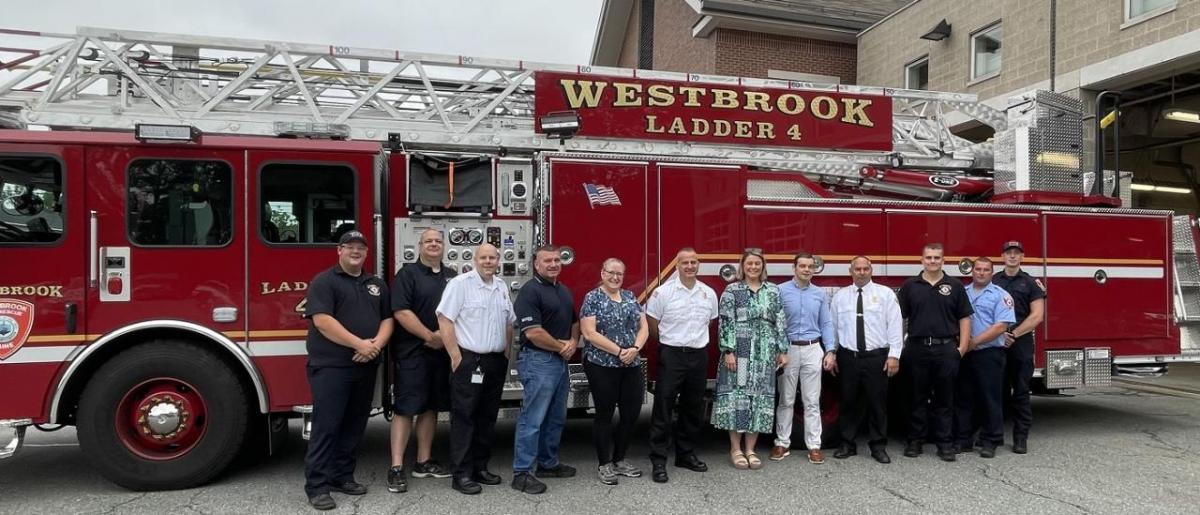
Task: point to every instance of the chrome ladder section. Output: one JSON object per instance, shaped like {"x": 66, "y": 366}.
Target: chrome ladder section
{"x": 1187, "y": 285}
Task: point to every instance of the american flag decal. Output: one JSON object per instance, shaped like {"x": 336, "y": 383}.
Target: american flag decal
{"x": 599, "y": 195}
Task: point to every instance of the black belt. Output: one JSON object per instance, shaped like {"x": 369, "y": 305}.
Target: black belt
{"x": 802, "y": 343}
{"x": 932, "y": 340}
{"x": 683, "y": 349}
{"x": 465, "y": 351}
{"x": 882, "y": 351}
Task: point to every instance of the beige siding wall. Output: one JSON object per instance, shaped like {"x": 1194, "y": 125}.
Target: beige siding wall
{"x": 674, "y": 47}
{"x": 629, "y": 47}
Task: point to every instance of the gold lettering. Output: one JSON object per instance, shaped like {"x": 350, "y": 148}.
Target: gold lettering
{"x": 652, "y": 127}
{"x": 677, "y": 126}
{"x": 660, "y": 96}
{"x": 796, "y": 101}
{"x": 283, "y": 287}
{"x": 627, "y": 94}
{"x": 856, "y": 111}
{"x": 721, "y": 128}
{"x": 742, "y": 129}
{"x": 758, "y": 101}
{"x": 700, "y": 127}
{"x": 766, "y": 130}
{"x": 824, "y": 107}
{"x": 299, "y": 286}
{"x": 693, "y": 95}
{"x": 793, "y": 132}
{"x": 266, "y": 289}
{"x": 583, "y": 93}
{"x": 29, "y": 290}
{"x": 724, "y": 99}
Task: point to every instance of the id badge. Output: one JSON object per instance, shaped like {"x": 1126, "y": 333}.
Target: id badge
{"x": 477, "y": 376}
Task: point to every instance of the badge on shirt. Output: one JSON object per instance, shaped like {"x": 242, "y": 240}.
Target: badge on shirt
{"x": 477, "y": 376}
{"x": 944, "y": 289}
{"x": 373, "y": 290}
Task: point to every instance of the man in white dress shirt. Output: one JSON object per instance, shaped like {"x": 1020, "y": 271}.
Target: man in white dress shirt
{"x": 869, "y": 341}
{"x": 679, "y": 313}
{"x": 475, "y": 320}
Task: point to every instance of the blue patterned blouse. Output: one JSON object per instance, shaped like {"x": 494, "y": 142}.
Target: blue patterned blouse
{"x": 617, "y": 321}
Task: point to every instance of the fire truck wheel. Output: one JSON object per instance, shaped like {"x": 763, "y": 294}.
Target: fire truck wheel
{"x": 164, "y": 415}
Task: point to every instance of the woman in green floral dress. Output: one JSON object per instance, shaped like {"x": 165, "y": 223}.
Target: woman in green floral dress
{"x": 753, "y": 342}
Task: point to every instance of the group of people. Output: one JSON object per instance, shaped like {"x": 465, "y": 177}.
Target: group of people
{"x": 965, "y": 347}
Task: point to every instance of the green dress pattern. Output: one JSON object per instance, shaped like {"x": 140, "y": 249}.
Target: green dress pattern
{"x": 753, "y": 327}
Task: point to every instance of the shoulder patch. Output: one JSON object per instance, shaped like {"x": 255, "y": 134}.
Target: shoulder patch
{"x": 1040, "y": 284}
{"x": 527, "y": 319}
{"x": 1008, "y": 300}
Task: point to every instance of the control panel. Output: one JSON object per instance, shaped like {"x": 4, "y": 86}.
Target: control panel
{"x": 515, "y": 178}
{"x": 461, "y": 238}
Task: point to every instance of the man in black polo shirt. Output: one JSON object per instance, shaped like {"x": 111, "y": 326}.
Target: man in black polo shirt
{"x": 938, "y": 314}
{"x": 549, "y": 329}
{"x": 1029, "y": 303}
{"x": 421, "y": 387}
{"x": 351, "y": 322}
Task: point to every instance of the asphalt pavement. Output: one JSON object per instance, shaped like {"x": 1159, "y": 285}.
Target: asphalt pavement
{"x": 1113, "y": 450}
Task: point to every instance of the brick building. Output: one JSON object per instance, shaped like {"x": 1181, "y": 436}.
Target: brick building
{"x": 1148, "y": 50}
{"x": 806, "y": 40}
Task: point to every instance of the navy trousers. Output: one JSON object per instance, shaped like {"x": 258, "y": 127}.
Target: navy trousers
{"x": 977, "y": 404}
{"x": 341, "y": 405}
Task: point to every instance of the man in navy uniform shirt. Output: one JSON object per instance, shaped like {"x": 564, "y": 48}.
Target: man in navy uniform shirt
{"x": 939, "y": 330}
{"x": 351, "y": 321}
{"x": 549, "y": 330}
{"x": 1029, "y": 303}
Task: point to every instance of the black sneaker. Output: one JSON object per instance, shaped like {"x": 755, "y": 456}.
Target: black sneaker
{"x": 396, "y": 482}
{"x": 430, "y": 468}
{"x": 525, "y": 482}
{"x": 465, "y": 485}
{"x": 913, "y": 449}
{"x": 560, "y": 470}
{"x": 988, "y": 451}
{"x": 350, "y": 488}
{"x": 322, "y": 502}
{"x": 1020, "y": 446}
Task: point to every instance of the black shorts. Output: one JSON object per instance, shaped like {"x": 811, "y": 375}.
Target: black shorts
{"x": 422, "y": 382}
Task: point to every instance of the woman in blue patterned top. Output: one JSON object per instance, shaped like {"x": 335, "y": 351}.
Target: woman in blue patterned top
{"x": 754, "y": 343}
{"x": 614, "y": 331}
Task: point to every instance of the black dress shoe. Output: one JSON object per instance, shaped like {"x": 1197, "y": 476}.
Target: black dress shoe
{"x": 964, "y": 447}
{"x": 845, "y": 451}
{"x": 487, "y": 478}
{"x": 465, "y": 485}
{"x": 350, "y": 488}
{"x": 1019, "y": 446}
{"x": 659, "y": 473}
{"x": 881, "y": 455}
{"x": 988, "y": 451}
{"x": 692, "y": 463}
{"x": 322, "y": 502}
{"x": 913, "y": 449}
{"x": 947, "y": 453}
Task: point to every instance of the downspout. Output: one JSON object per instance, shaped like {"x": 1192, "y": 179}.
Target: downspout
{"x": 1053, "y": 39}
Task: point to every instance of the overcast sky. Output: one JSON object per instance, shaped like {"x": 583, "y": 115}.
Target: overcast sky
{"x": 558, "y": 31}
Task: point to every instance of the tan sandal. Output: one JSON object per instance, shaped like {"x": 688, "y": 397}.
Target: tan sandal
{"x": 753, "y": 461}
{"x": 739, "y": 460}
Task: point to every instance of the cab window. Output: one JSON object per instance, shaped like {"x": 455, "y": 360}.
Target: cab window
{"x": 176, "y": 202}
{"x": 31, "y": 195}
{"x": 305, "y": 203}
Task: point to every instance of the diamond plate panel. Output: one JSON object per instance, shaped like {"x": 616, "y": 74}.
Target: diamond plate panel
{"x": 1064, "y": 368}
{"x": 762, "y": 189}
{"x": 1042, "y": 151}
{"x": 1187, "y": 270}
{"x": 1181, "y": 231}
{"x": 1097, "y": 369}
{"x": 1190, "y": 304}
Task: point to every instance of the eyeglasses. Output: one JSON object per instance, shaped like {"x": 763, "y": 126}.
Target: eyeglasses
{"x": 355, "y": 248}
{"x": 614, "y": 274}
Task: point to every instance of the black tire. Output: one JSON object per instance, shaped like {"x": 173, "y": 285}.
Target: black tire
{"x": 224, "y": 421}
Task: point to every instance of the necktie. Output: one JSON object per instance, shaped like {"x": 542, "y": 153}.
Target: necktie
{"x": 862, "y": 325}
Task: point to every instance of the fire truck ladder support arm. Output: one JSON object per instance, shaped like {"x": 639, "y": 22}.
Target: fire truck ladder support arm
{"x": 113, "y": 79}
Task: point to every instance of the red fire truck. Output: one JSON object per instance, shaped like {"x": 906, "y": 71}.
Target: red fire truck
{"x": 164, "y": 200}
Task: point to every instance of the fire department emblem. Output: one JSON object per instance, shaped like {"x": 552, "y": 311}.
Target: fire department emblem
{"x": 373, "y": 289}
{"x": 16, "y": 321}
{"x": 944, "y": 289}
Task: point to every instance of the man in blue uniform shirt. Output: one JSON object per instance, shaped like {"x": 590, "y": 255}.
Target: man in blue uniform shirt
{"x": 1029, "y": 303}
{"x": 981, "y": 372}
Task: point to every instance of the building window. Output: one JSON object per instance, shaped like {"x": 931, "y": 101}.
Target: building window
{"x": 306, "y": 203}
{"x": 31, "y": 194}
{"x": 985, "y": 52}
{"x": 177, "y": 202}
{"x": 916, "y": 74}
{"x": 1135, "y": 9}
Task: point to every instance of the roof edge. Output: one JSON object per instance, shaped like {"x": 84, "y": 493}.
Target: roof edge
{"x": 888, "y": 17}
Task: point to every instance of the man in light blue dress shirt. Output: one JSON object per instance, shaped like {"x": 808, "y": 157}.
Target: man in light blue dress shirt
{"x": 977, "y": 401}
{"x": 810, "y": 330}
